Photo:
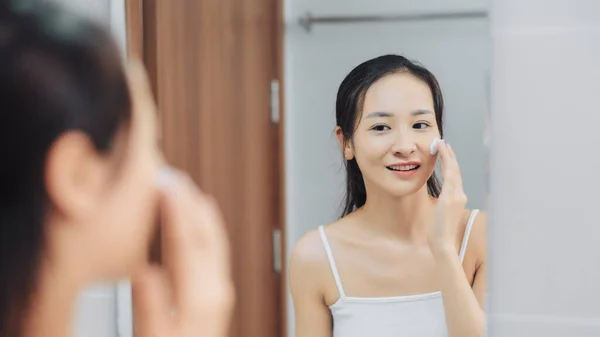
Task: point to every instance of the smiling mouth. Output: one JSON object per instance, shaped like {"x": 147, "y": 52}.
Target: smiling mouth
{"x": 403, "y": 168}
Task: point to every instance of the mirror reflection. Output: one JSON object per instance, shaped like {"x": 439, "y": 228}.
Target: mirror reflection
{"x": 396, "y": 259}
{"x": 392, "y": 239}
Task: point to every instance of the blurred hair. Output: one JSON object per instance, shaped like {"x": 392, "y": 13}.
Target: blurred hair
{"x": 58, "y": 73}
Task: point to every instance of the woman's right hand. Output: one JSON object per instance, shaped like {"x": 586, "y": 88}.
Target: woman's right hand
{"x": 191, "y": 294}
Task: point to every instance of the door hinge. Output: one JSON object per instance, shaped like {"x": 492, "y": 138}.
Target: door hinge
{"x": 277, "y": 251}
{"x": 275, "y": 101}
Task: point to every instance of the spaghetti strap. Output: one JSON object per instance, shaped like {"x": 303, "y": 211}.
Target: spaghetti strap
{"x": 463, "y": 247}
{"x": 334, "y": 270}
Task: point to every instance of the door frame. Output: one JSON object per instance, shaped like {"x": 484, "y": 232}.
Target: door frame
{"x": 141, "y": 44}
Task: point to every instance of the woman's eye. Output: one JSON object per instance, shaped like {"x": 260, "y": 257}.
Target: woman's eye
{"x": 380, "y": 128}
{"x": 420, "y": 125}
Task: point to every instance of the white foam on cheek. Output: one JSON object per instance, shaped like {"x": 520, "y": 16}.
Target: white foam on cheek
{"x": 433, "y": 147}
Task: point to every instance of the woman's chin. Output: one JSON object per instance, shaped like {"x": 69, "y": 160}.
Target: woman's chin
{"x": 404, "y": 189}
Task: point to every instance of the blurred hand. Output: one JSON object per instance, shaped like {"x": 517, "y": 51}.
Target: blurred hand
{"x": 191, "y": 294}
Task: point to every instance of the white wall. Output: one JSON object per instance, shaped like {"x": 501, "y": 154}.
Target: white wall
{"x": 103, "y": 310}
{"x": 456, "y": 51}
{"x": 544, "y": 233}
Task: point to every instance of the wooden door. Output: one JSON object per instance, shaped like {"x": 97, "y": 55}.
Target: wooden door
{"x": 212, "y": 63}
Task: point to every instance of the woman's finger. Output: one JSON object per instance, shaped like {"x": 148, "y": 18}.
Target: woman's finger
{"x": 196, "y": 253}
{"x": 139, "y": 89}
{"x": 445, "y": 160}
{"x": 449, "y": 168}
{"x": 214, "y": 229}
{"x": 456, "y": 166}
{"x": 211, "y": 277}
{"x": 151, "y": 302}
{"x": 177, "y": 241}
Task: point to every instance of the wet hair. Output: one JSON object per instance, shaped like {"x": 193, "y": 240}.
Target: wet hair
{"x": 348, "y": 110}
{"x": 58, "y": 73}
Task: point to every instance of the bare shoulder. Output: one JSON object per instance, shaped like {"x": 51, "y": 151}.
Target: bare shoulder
{"x": 309, "y": 250}
{"x": 309, "y": 272}
{"x": 478, "y": 237}
{"x": 309, "y": 265}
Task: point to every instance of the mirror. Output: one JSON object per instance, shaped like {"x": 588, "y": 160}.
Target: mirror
{"x": 376, "y": 267}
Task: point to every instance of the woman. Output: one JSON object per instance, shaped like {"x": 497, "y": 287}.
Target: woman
{"x": 81, "y": 182}
{"x": 403, "y": 243}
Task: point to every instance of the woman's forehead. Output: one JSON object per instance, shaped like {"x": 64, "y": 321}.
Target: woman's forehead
{"x": 398, "y": 93}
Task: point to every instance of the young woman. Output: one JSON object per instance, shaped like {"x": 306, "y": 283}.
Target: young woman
{"x": 81, "y": 182}
{"x": 406, "y": 258}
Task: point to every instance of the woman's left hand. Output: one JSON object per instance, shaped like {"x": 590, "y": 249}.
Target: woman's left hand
{"x": 451, "y": 202}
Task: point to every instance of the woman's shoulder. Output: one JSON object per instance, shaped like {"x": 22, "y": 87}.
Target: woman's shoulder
{"x": 479, "y": 226}
{"x": 310, "y": 250}
{"x": 477, "y": 239}
{"x": 309, "y": 268}
{"x": 479, "y": 220}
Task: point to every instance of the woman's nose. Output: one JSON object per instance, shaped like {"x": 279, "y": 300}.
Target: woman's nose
{"x": 404, "y": 143}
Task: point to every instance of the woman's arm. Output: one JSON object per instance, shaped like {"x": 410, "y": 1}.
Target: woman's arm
{"x": 463, "y": 305}
{"x": 307, "y": 265}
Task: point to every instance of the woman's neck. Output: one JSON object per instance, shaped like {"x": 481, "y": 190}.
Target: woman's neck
{"x": 405, "y": 218}
{"x": 51, "y": 309}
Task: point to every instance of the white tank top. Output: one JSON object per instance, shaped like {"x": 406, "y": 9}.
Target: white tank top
{"x": 419, "y": 315}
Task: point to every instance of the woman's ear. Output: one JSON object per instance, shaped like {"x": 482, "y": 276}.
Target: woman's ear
{"x": 345, "y": 144}
{"x": 75, "y": 175}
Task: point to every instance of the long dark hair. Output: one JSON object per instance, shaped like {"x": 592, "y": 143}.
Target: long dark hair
{"x": 57, "y": 73}
{"x": 348, "y": 107}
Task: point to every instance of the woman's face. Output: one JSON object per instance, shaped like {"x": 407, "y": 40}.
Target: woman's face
{"x": 395, "y": 130}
